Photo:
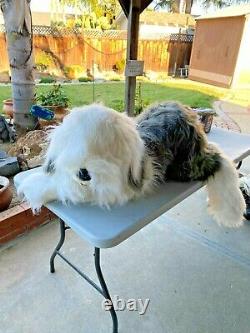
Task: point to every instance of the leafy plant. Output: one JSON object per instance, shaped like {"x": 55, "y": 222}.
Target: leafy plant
{"x": 54, "y": 97}
{"x": 140, "y": 104}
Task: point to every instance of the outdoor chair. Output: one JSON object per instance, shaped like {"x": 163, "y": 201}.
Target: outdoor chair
{"x": 183, "y": 71}
{"x": 104, "y": 228}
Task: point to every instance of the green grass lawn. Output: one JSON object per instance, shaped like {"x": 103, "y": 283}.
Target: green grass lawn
{"x": 112, "y": 94}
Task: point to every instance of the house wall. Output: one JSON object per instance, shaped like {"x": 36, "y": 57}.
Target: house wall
{"x": 41, "y": 18}
{"x": 152, "y": 29}
{"x": 38, "y": 18}
{"x": 215, "y": 50}
{"x": 122, "y": 24}
{"x": 242, "y": 71}
{"x": 156, "y": 29}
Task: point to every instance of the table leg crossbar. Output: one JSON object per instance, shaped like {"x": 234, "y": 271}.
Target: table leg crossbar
{"x": 103, "y": 290}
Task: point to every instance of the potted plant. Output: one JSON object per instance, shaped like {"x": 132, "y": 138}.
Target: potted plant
{"x": 55, "y": 100}
{"x": 5, "y": 193}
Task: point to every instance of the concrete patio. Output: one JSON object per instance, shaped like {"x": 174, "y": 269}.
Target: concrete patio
{"x": 196, "y": 275}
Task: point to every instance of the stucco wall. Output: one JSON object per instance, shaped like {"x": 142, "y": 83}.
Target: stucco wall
{"x": 38, "y": 18}
{"x": 242, "y": 71}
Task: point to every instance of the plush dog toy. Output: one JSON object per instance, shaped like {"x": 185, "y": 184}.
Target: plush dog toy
{"x": 104, "y": 157}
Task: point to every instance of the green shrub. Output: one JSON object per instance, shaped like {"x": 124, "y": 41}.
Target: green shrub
{"x": 113, "y": 77}
{"x": 54, "y": 97}
{"x": 47, "y": 79}
{"x": 84, "y": 79}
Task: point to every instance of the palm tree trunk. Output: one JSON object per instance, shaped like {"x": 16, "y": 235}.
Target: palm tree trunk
{"x": 18, "y": 26}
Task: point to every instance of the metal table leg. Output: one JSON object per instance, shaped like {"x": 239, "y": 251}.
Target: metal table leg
{"x": 59, "y": 245}
{"x": 239, "y": 165}
{"x": 103, "y": 290}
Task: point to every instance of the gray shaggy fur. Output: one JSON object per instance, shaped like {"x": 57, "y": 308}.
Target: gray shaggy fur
{"x": 177, "y": 143}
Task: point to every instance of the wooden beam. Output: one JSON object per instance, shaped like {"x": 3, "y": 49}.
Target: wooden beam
{"x": 125, "y": 4}
{"x": 132, "y": 51}
{"x": 145, "y": 4}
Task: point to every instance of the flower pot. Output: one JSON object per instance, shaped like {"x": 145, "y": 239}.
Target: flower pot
{"x": 5, "y": 193}
{"x": 8, "y": 108}
{"x": 59, "y": 111}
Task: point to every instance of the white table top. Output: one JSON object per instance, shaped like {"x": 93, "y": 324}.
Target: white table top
{"x": 107, "y": 228}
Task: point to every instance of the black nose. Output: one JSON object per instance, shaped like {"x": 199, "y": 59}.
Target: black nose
{"x": 84, "y": 175}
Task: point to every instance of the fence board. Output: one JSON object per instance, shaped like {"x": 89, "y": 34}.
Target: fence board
{"x": 105, "y": 49}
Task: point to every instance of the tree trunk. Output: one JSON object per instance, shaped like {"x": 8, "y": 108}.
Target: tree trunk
{"x": 189, "y": 4}
{"x": 175, "y": 6}
{"x": 18, "y": 26}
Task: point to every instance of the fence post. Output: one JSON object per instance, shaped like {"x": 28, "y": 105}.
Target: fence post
{"x": 177, "y": 53}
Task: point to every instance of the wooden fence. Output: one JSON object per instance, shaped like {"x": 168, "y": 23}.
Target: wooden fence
{"x": 63, "y": 48}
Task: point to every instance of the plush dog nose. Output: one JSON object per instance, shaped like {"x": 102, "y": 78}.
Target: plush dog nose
{"x": 84, "y": 175}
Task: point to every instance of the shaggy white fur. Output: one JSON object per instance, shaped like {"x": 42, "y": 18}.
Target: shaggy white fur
{"x": 108, "y": 145}
{"x": 104, "y": 142}
{"x": 225, "y": 201}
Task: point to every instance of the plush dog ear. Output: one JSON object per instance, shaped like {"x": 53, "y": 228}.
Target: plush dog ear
{"x": 135, "y": 180}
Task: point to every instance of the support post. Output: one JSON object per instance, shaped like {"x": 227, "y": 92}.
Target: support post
{"x": 177, "y": 53}
{"x": 132, "y": 51}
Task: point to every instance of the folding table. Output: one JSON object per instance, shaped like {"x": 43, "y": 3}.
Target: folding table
{"x": 104, "y": 228}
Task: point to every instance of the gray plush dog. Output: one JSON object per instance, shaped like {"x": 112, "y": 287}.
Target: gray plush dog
{"x": 177, "y": 143}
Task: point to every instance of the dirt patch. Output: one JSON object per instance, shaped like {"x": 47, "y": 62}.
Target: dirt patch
{"x": 30, "y": 149}
{"x": 31, "y": 144}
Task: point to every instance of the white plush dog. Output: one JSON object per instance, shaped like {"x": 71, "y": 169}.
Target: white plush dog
{"x": 104, "y": 157}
